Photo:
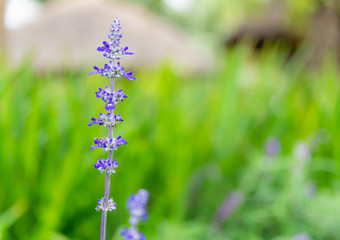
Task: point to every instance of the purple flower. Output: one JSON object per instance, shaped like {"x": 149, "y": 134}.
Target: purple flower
{"x": 113, "y": 70}
{"x": 112, "y": 49}
{"x": 108, "y": 143}
{"x": 106, "y": 204}
{"x": 108, "y": 120}
{"x": 136, "y": 205}
{"x": 230, "y": 203}
{"x": 111, "y": 97}
{"x": 301, "y": 236}
{"x": 132, "y": 234}
{"x": 106, "y": 165}
{"x": 273, "y": 147}
{"x": 302, "y": 151}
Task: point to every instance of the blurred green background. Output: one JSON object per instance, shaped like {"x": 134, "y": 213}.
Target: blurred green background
{"x": 250, "y": 150}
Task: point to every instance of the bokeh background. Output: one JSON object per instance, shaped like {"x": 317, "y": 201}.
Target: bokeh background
{"x": 233, "y": 123}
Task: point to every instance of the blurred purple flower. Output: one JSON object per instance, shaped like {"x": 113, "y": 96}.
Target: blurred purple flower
{"x": 273, "y": 147}
{"x": 228, "y": 206}
{"x": 310, "y": 190}
{"x": 132, "y": 234}
{"x": 302, "y": 151}
{"x": 301, "y": 236}
{"x": 136, "y": 205}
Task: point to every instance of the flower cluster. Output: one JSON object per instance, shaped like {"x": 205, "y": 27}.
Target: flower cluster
{"x": 110, "y": 96}
{"x": 106, "y": 165}
{"x": 106, "y": 204}
{"x": 136, "y": 205}
{"x": 113, "y": 70}
{"x": 108, "y": 120}
{"x": 108, "y": 143}
{"x": 113, "y": 49}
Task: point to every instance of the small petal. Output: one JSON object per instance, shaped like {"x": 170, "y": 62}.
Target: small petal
{"x": 110, "y": 106}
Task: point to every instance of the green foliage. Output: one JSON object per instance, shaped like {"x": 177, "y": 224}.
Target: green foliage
{"x": 214, "y": 20}
{"x": 192, "y": 140}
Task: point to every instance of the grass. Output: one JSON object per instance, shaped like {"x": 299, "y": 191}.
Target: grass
{"x": 192, "y": 141}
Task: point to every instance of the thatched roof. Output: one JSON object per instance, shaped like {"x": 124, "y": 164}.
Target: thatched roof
{"x": 69, "y": 32}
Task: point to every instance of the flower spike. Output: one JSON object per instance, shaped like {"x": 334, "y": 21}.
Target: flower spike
{"x": 114, "y": 51}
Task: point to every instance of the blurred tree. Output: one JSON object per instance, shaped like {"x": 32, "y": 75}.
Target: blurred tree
{"x": 318, "y": 26}
{"x": 2, "y": 25}
{"x": 324, "y": 33}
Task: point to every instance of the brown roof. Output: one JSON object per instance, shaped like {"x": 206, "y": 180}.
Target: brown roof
{"x": 69, "y": 32}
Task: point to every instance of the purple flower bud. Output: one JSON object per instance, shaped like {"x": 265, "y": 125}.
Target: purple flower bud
{"x": 110, "y": 106}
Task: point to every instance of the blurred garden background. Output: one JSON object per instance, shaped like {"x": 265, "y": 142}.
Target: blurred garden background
{"x": 233, "y": 123}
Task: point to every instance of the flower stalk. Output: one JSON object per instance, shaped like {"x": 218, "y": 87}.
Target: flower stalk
{"x": 113, "y": 50}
